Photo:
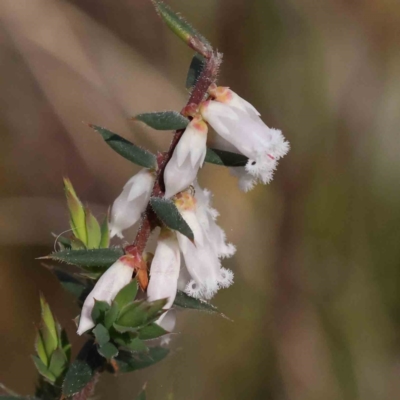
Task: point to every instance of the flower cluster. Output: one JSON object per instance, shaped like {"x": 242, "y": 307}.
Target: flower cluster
{"x": 192, "y": 266}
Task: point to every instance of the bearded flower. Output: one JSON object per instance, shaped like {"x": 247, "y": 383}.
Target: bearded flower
{"x": 201, "y": 258}
{"x": 106, "y": 288}
{"x": 239, "y": 124}
{"x": 187, "y": 158}
{"x": 165, "y": 267}
{"x": 133, "y": 200}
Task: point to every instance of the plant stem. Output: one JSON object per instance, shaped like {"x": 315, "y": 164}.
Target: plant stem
{"x": 149, "y": 219}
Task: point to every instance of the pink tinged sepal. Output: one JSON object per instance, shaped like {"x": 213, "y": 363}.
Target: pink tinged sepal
{"x": 107, "y": 287}
{"x": 130, "y": 204}
{"x": 187, "y": 158}
{"x": 164, "y": 272}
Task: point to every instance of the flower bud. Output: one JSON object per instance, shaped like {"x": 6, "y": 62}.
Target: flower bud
{"x": 130, "y": 204}
{"x": 164, "y": 271}
{"x": 106, "y": 288}
{"x": 187, "y": 158}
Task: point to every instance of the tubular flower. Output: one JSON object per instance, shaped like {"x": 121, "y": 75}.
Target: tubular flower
{"x": 133, "y": 200}
{"x": 106, "y": 288}
{"x": 164, "y": 270}
{"x": 187, "y": 158}
{"x": 238, "y": 122}
{"x": 201, "y": 259}
{"x": 207, "y": 217}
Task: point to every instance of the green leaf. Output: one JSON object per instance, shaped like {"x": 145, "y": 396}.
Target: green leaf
{"x": 108, "y": 351}
{"x": 226, "y": 158}
{"x": 10, "y": 397}
{"x": 102, "y": 258}
{"x": 168, "y": 213}
{"x": 40, "y": 349}
{"x": 43, "y": 370}
{"x": 185, "y": 301}
{"x": 76, "y": 212}
{"x": 99, "y": 310}
{"x": 68, "y": 281}
{"x": 137, "y": 314}
{"x": 77, "y": 244}
{"x": 181, "y": 28}
{"x": 82, "y": 370}
{"x": 195, "y": 69}
{"x": 50, "y": 323}
{"x": 58, "y": 363}
{"x": 111, "y": 315}
{"x": 93, "y": 231}
{"x": 152, "y": 331}
{"x": 127, "y": 294}
{"x": 105, "y": 234}
{"x": 142, "y": 395}
{"x": 133, "y": 315}
{"x": 65, "y": 345}
{"x": 137, "y": 346}
{"x": 163, "y": 121}
{"x": 79, "y": 374}
{"x": 128, "y": 362}
{"x": 101, "y": 334}
{"x": 124, "y": 329}
{"x": 127, "y": 149}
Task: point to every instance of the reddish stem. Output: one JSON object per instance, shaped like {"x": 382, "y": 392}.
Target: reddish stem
{"x": 149, "y": 219}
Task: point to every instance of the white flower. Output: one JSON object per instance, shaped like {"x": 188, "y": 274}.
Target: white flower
{"x": 225, "y": 95}
{"x": 207, "y": 217}
{"x": 164, "y": 270}
{"x": 187, "y": 158}
{"x": 201, "y": 257}
{"x": 106, "y": 288}
{"x": 130, "y": 204}
{"x": 238, "y": 123}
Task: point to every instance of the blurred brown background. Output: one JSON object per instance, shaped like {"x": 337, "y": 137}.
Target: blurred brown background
{"x": 316, "y": 300}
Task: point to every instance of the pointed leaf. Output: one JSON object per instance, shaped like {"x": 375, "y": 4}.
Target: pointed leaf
{"x": 181, "y": 28}
{"x": 111, "y": 315}
{"x": 82, "y": 370}
{"x": 133, "y": 315}
{"x": 78, "y": 376}
{"x": 102, "y": 258}
{"x": 101, "y": 334}
{"x": 65, "y": 345}
{"x": 137, "y": 346}
{"x": 58, "y": 363}
{"x": 48, "y": 319}
{"x": 108, "y": 351}
{"x": 185, "y": 301}
{"x": 127, "y": 149}
{"x": 43, "y": 370}
{"x": 93, "y": 231}
{"x": 195, "y": 69}
{"x": 40, "y": 349}
{"x": 124, "y": 329}
{"x": 168, "y": 213}
{"x": 77, "y": 244}
{"x": 105, "y": 234}
{"x": 142, "y": 395}
{"x": 226, "y": 158}
{"x": 163, "y": 121}
{"x": 128, "y": 362}
{"x": 127, "y": 294}
{"x": 99, "y": 311}
{"x": 76, "y": 212}
{"x": 152, "y": 331}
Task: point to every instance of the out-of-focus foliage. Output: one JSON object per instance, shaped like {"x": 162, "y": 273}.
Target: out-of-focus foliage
{"x": 316, "y": 296}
